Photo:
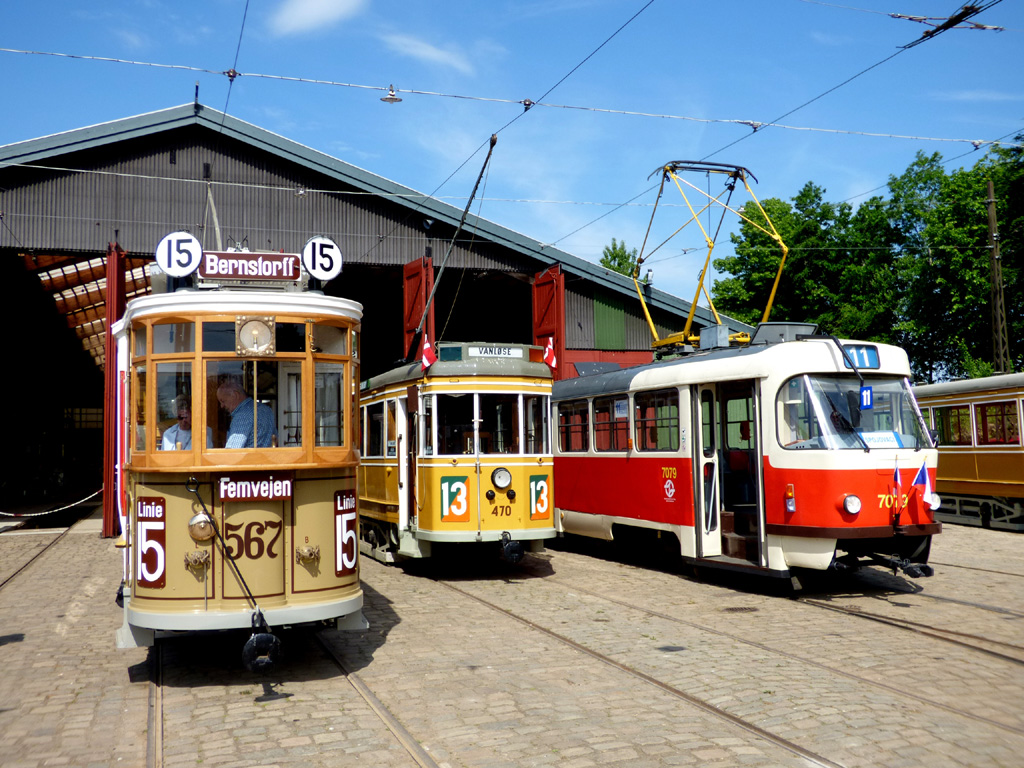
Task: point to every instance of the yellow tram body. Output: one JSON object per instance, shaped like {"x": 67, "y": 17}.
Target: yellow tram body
{"x": 981, "y": 457}
{"x": 458, "y": 454}
{"x": 255, "y": 520}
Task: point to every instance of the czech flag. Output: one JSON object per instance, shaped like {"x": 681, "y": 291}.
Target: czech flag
{"x": 549, "y": 353}
{"x": 429, "y": 358}
{"x": 924, "y": 481}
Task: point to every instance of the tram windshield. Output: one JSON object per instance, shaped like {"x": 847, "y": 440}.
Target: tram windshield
{"x": 508, "y": 423}
{"x": 839, "y": 413}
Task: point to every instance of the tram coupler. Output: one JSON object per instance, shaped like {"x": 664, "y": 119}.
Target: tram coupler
{"x": 511, "y": 550}
{"x": 263, "y": 649}
{"x": 913, "y": 570}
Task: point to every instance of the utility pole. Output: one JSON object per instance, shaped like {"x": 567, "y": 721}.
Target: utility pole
{"x": 1000, "y": 342}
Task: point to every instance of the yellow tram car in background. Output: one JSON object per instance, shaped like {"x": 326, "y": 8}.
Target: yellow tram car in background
{"x": 458, "y": 453}
{"x": 237, "y": 467}
{"x": 981, "y": 457}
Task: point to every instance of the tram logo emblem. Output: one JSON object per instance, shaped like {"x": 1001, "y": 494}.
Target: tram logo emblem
{"x": 454, "y": 499}
{"x": 670, "y": 490}
{"x": 540, "y": 497}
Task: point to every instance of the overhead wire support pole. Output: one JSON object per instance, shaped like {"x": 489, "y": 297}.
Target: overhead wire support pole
{"x": 418, "y": 334}
{"x": 1000, "y": 342}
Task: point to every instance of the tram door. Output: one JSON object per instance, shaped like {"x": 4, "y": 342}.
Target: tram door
{"x": 403, "y": 456}
{"x": 707, "y": 501}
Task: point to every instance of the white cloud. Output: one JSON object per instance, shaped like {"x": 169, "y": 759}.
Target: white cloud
{"x": 977, "y": 96}
{"x": 298, "y": 16}
{"x": 415, "y": 48}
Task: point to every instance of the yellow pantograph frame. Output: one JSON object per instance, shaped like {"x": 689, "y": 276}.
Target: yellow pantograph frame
{"x": 734, "y": 172}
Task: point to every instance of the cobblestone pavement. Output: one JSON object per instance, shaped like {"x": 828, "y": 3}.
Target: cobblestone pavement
{"x": 479, "y": 688}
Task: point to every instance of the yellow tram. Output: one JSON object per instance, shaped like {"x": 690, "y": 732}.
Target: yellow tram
{"x": 237, "y": 447}
{"x": 458, "y": 453}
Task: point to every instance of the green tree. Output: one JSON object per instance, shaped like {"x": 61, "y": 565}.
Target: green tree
{"x": 618, "y": 258}
{"x": 912, "y": 269}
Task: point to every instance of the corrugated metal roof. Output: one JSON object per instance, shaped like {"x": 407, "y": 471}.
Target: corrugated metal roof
{"x": 78, "y": 283}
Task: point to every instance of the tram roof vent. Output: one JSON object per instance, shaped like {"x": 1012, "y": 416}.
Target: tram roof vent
{"x": 776, "y": 333}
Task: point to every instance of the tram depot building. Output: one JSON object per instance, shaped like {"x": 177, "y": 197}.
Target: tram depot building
{"x": 73, "y": 202}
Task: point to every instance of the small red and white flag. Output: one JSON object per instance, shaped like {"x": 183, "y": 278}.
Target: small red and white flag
{"x": 924, "y": 481}
{"x": 429, "y": 358}
{"x": 549, "y": 353}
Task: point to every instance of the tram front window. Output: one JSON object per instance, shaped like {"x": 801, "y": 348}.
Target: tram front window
{"x": 454, "y": 424}
{"x": 499, "y": 423}
{"x": 825, "y": 413}
{"x": 244, "y": 411}
{"x": 174, "y": 407}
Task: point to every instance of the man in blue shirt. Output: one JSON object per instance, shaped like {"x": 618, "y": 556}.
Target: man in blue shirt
{"x": 246, "y": 421}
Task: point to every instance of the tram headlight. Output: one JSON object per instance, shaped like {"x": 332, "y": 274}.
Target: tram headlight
{"x": 200, "y": 527}
{"x": 501, "y": 478}
{"x": 851, "y": 504}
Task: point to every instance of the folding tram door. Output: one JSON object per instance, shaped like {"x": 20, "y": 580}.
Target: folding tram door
{"x": 728, "y": 497}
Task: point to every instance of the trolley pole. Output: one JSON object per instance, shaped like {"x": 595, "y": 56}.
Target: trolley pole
{"x": 1000, "y": 341}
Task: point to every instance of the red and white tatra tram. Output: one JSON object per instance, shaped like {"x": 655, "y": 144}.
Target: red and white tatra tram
{"x": 237, "y": 448}
{"x": 796, "y": 451}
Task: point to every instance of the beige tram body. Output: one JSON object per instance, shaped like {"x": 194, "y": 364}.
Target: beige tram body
{"x": 284, "y": 512}
{"x": 458, "y": 454}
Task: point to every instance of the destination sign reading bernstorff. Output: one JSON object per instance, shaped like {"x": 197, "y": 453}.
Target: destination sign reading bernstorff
{"x": 231, "y": 265}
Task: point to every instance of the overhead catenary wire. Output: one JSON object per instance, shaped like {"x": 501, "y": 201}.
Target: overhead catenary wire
{"x": 755, "y": 125}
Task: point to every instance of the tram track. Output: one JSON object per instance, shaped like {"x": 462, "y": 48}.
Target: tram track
{"x": 637, "y": 674}
{"x": 952, "y": 636}
{"x": 158, "y": 662}
{"x": 35, "y": 556}
{"x": 785, "y": 654}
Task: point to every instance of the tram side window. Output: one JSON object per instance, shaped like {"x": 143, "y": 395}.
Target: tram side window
{"x": 427, "y": 420}
{"x": 140, "y": 408}
{"x": 611, "y": 423}
{"x": 953, "y": 423}
{"x": 241, "y": 402}
{"x": 997, "y": 423}
{"x": 536, "y": 421}
{"x": 329, "y": 404}
{"x": 375, "y": 429}
{"x": 391, "y": 445}
{"x": 656, "y": 419}
{"x": 574, "y": 426}
{"x": 455, "y": 424}
{"x": 499, "y": 423}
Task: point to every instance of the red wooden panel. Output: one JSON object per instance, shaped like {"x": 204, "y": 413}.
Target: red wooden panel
{"x": 417, "y": 282}
{"x": 115, "y": 309}
{"x": 549, "y": 313}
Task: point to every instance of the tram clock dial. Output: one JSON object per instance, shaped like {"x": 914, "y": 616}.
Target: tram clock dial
{"x": 254, "y": 336}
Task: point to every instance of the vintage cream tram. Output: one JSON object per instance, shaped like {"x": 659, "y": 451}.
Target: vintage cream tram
{"x": 458, "y": 453}
{"x": 981, "y": 459}
{"x": 795, "y": 451}
{"x": 238, "y": 456}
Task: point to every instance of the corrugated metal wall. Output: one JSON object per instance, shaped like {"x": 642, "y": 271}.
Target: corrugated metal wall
{"x": 139, "y": 190}
{"x": 595, "y": 323}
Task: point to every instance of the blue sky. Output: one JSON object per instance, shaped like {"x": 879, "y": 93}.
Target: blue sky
{"x": 671, "y": 83}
